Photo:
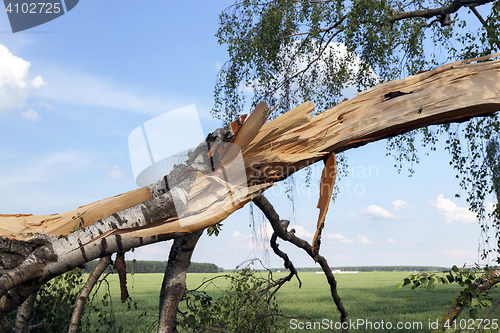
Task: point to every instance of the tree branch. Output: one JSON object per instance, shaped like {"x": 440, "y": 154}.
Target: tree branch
{"x": 320, "y": 30}
{"x": 442, "y": 11}
{"x": 121, "y": 267}
{"x": 174, "y": 280}
{"x": 85, "y": 292}
{"x": 24, "y": 314}
{"x": 309, "y": 64}
{"x": 280, "y": 229}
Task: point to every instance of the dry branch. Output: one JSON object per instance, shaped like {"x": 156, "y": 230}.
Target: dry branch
{"x": 85, "y": 292}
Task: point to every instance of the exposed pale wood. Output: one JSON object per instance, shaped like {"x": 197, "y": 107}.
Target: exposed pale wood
{"x": 25, "y": 226}
{"x": 326, "y": 189}
{"x": 453, "y": 92}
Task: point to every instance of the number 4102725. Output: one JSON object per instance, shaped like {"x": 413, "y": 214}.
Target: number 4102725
{"x": 34, "y": 8}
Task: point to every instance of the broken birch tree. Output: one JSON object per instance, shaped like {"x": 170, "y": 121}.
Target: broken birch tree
{"x": 33, "y": 253}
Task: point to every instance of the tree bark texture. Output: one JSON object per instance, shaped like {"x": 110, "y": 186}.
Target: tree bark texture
{"x": 272, "y": 151}
{"x": 174, "y": 280}
{"x": 85, "y": 292}
{"x": 24, "y": 314}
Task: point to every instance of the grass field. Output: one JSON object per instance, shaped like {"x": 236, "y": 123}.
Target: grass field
{"x": 368, "y": 297}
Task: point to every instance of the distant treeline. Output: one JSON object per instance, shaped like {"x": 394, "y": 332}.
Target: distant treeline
{"x": 159, "y": 267}
{"x": 141, "y": 266}
{"x": 379, "y": 269}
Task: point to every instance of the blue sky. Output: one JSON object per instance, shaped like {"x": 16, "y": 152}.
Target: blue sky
{"x": 73, "y": 89}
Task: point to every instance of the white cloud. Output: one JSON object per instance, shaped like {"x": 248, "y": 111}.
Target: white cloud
{"x": 489, "y": 206}
{"x": 457, "y": 254}
{"x": 301, "y": 232}
{"x": 38, "y": 82}
{"x": 451, "y": 211}
{"x": 364, "y": 240}
{"x": 238, "y": 234}
{"x": 115, "y": 173}
{"x": 339, "y": 238}
{"x": 377, "y": 213}
{"x": 391, "y": 241}
{"x": 239, "y": 241}
{"x": 15, "y": 87}
{"x": 353, "y": 216}
{"x": 399, "y": 204}
{"x": 31, "y": 115}
{"x": 266, "y": 231}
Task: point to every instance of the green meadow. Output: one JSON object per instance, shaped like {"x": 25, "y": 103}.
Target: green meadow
{"x": 369, "y": 297}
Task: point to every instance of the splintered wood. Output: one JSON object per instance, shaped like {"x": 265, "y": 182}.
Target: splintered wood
{"x": 326, "y": 189}
{"x": 25, "y": 226}
{"x": 274, "y": 150}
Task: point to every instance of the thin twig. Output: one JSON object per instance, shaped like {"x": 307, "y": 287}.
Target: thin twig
{"x": 6, "y": 326}
{"x": 488, "y": 31}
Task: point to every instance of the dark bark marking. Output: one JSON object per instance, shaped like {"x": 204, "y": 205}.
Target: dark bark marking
{"x": 82, "y": 250}
{"x": 119, "y": 219}
{"x": 119, "y": 242}
{"x": 146, "y": 215}
{"x": 141, "y": 241}
{"x": 104, "y": 246}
